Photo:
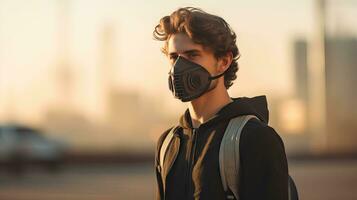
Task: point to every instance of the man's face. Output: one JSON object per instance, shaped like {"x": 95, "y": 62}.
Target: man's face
{"x": 181, "y": 45}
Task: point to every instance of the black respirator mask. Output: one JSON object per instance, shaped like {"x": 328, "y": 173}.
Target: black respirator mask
{"x": 189, "y": 80}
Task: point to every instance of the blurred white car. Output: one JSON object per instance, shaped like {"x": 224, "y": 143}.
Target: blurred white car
{"x": 21, "y": 146}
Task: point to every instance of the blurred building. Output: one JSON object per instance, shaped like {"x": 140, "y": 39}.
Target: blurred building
{"x": 341, "y": 110}
{"x": 124, "y": 110}
{"x": 300, "y": 69}
{"x": 341, "y": 94}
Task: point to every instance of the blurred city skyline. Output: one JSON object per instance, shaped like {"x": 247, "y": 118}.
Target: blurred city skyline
{"x": 86, "y": 83}
{"x": 31, "y": 30}
{"x": 84, "y": 58}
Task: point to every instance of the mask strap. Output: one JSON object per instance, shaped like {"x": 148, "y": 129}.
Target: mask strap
{"x": 219, "y": 75}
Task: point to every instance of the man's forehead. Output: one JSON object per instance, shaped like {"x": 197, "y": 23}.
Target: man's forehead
{"x": 180, "y": 42}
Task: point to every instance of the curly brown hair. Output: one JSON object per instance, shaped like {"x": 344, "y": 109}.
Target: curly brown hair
{"x": 205, "y": 29}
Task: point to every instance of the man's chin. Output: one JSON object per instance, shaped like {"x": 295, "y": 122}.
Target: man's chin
{"x": 204, "y": 97}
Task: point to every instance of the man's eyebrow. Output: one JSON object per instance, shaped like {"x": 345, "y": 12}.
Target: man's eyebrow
{"x": 192, "y": 51}
{"x": 186, "y": 52}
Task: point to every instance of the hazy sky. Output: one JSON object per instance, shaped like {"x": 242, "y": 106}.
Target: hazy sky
{"x": 29, "y": 43}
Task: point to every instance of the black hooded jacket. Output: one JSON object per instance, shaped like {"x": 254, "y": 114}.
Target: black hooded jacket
{"x": 191, "y": 167}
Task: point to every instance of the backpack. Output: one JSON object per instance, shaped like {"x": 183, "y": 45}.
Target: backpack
{"x": 229, "y": 157}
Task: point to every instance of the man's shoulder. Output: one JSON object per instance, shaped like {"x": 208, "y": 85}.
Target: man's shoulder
{"x": 258, "y": 133}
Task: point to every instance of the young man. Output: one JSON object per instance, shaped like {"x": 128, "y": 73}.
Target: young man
{"x": 203, "y": 55}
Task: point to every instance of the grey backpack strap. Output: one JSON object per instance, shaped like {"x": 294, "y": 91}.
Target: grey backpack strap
{"x": 292, "y": 190}
{"x": 229, "y": 155}
{"x": 165, "y": 144}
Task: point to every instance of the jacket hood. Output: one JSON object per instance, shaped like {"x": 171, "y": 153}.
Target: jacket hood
{"x": 257, "y": 106}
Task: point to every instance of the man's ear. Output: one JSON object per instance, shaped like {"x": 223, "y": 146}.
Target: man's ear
{"x": 225, "y": 61}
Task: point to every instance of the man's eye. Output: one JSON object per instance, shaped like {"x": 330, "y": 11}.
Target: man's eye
{"x": 174, "y": 57}
{"x": 192, "y": 55}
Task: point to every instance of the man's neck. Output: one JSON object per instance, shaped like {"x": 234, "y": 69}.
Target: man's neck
{"x": 206, "y": 106}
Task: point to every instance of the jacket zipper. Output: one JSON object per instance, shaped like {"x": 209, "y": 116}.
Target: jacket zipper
{"x": 190, "y": 162}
